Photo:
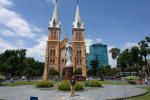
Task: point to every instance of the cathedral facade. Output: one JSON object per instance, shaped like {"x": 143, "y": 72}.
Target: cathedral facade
{"x": 55, "y": 48}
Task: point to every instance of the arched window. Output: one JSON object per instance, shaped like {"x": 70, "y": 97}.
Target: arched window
{"x": 80, "y": 62}
{"x": 79, "y": 53}
{"x": 53, "y": 61}
{"x": 54, "y": 33}
{"x": 54, "y": 52}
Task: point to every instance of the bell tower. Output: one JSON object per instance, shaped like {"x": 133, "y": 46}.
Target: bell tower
{"x": 78, "y": 43}
{"x": 52, "y": 56}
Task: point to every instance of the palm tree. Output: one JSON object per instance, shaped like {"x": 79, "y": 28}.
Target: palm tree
{"x": 115, "y": 52}
{"x": 144, "y": 51}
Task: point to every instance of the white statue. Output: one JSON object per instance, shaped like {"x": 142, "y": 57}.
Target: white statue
{"x": 68, "y": 55}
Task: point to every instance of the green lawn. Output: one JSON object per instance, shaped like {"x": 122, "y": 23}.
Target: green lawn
{"x": 144, "y": 97}
{"x": 114, "y": 83}
{"x": 20, "y": 83}
{"x": 34, "y": 82}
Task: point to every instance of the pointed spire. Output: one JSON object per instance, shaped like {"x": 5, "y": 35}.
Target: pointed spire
{"x": 54, "y": 22}
{"x": 77, "y": 22}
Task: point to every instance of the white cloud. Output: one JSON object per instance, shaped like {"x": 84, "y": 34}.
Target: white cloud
{"x": 7, "y": 33}
{"x": 5, "y": 3}
{"x": 128, "y": 45}
{"x": 38, "y": 50}
{"x": 88, "y": 42}
{"x": 112, "y": 62}
{"x": 5, "y": 45}
{"x": 98, "y": 40}
{"x": 13, "y": 22}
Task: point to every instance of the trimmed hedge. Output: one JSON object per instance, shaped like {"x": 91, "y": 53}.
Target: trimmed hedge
{"x": 93, "y": 83}
{"x": 2, "y": 78}
{"x": 79, "y": 86}
{"x": 132, "y": 79}
{"x": 65, "y": 86}
{"x": 44, "y": 84}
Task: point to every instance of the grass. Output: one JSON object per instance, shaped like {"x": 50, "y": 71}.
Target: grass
{"x": 34, "y": 83}
{"x": 20, "y": 83}
{"x": 114, "y": 83}
{"x": 144, "y": 97}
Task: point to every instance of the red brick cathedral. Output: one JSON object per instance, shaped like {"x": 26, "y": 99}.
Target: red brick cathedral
{"x": 55, "y": 48}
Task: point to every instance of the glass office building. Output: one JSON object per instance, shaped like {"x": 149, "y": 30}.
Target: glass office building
{"x": 99, "y": 52}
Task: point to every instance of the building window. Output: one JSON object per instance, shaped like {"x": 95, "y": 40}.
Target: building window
{"x": 53, "y": 35}
{"x": 79, "y": 53}
{"x": 52, "y": 51}
{"x": 51, "y": 61}
{"x": 78, "y": 36}
{"x": 79, "y": 61}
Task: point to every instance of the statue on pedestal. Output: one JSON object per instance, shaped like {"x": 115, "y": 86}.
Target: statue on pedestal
{"x": 69, "y": 65}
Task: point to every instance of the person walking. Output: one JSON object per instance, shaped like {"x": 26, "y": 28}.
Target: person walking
{"x": 72, "y": 82}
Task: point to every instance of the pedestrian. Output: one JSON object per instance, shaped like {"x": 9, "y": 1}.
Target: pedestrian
{"x": 146, "y": 81}
{"x": 72, "y": 82}
{"x": 11, "y": 80}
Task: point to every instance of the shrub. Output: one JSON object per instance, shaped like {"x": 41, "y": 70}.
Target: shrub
{"x": 132, "y": 79}
{"x": 44, "y": 84}
{"x": 64, "y": 85}
{"x": 79, "y": 86}
{"x": 2, "y": 78}
{"x": 93, "y": 83}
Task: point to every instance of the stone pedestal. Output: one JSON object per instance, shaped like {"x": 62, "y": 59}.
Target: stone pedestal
{"x": 68, "y": 73}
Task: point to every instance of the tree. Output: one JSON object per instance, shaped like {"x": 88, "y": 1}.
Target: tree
{"x": 95, "y": 65}
{"x": 78, "y": 71}
{"x": 53, "y": 73}
{"x": 144, "y": 51}
{"x": 124, "y": 60}
{"x": 16, "y": 63}
{"x": 135, "y": 54}
{"x": 115, "y": 54}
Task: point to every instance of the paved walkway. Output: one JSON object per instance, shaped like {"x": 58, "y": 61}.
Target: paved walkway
{"x": 108, "y": 92}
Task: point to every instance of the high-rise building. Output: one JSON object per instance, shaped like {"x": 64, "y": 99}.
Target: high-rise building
{"x": 98, "y": 52}
{"x": 55, "y": 48}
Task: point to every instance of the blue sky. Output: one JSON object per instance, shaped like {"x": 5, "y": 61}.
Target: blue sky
{"x": 117, "y": 23}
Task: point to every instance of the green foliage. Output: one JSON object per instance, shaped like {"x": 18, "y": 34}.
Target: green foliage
{"x": 115, "y": 53}
{"x": 104, "y": 71}
{"x": 20, "y": 83}
{"x": 132, "y": 79}
{"x": 95, "y": 65}
{"x": 2, "y": 78}
{"x": 44, "y": 84}
{"x": 64, "y": 85}
{"x": 93, "y": 83}
{"x": 78, "y": 71}
{"x": 53, "y": 72}
{"x": 16, "y": 63}
{"x": 79, "y": 86}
